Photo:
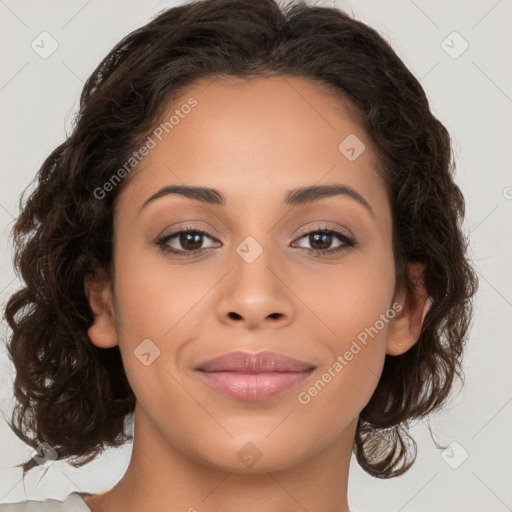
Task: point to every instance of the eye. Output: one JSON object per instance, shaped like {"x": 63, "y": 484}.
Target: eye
{"x": 189, "y": 241}
{"x": 321, "y": 240}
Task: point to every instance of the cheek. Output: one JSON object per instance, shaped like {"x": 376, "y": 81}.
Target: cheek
{"x": 356, "y": 317}
{"x": 155, "y": 314}
{"x": 349, "y": 297}
{"x": 353, "y": 306}
{"x": 153, "y": 296}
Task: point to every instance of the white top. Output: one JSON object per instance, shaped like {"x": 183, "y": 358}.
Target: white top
{"x": 72, "y": 503}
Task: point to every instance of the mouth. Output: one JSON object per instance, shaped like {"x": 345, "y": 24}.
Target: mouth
{"x": 249, "y": 376}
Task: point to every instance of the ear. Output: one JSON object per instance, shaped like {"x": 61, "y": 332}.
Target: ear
{"x": 405, "y": 328}
{"x": 98, "y": 291}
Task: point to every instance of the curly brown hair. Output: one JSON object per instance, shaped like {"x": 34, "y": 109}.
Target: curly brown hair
{"x": 74, "y": 395}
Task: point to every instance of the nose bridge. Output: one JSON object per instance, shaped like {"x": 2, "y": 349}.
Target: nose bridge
{"x": 255, "y": 265}
{"x": 255, "y": 293}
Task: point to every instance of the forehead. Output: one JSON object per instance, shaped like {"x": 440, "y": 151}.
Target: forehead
{"x": 256, "y": 137}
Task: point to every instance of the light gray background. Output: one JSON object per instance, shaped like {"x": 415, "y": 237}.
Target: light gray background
{"x": 471, "y": 95}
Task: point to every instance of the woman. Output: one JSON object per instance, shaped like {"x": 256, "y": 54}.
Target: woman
{"x": 252, "y": 242}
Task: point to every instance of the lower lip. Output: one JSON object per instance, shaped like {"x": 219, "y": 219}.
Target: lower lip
{"x": 254, "y": 386}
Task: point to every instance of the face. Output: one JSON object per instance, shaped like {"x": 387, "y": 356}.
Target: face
{"x": 305, "y": 275}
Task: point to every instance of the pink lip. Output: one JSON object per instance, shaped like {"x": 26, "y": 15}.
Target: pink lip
{"x": 249, "y": 376}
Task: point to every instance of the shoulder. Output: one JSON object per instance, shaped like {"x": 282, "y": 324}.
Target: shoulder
{"x": 72, "y": 503}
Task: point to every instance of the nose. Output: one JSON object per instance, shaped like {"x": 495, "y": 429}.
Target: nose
{"x": 256, "y": 295}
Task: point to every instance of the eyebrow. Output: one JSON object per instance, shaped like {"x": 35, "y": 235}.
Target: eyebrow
{"x": 294, "y": 197}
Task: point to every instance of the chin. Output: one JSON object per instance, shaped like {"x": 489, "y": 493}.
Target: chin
{"x": 256, "y": 453}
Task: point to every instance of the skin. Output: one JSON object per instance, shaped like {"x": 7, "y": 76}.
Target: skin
{"x": 252, "y": 140}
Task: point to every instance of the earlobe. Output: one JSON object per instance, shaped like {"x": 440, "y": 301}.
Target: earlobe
{"x": 405, "y": 329}
{"x": 98, "y": 291}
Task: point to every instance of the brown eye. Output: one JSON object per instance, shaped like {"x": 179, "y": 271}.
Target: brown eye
{"x": 190, "y": 241}
{"x": 185, "y": 242}
{"x": 321, "y": 240}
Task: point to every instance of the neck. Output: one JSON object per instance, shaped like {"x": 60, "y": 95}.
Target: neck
{"x": 160, "y": 477}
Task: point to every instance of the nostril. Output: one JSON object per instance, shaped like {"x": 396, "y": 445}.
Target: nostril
{"x": 235, "y": 316}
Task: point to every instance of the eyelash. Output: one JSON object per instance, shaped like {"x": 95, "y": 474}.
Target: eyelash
{"x": 347, "y": 242}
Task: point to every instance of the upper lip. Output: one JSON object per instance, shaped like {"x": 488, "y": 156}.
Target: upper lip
{"x": 250, "y": 362}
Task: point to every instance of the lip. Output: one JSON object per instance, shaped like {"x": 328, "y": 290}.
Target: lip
{"x": 251, "y": 362}
{"x": 254, "y": 376}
